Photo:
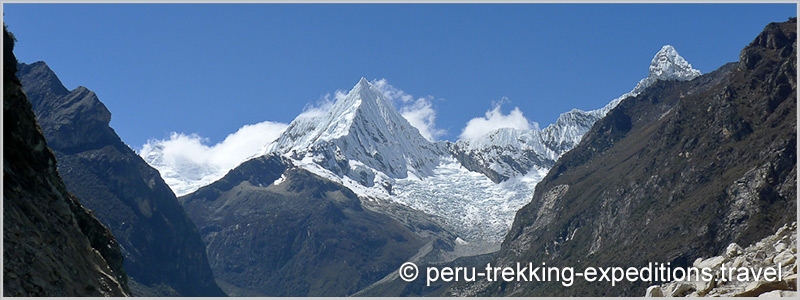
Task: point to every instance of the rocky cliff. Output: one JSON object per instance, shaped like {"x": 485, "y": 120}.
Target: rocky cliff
{"x": 164, "y": 255}
{"x": 677, "y": 172}
{"x": 52, "y": 245}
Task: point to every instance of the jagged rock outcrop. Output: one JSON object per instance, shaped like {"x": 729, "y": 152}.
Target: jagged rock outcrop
{"x": 677, "y": 172}
{"x": 775, "y": 252}
{"x": 52, "y": 245}
{"x": 164, "y": 255}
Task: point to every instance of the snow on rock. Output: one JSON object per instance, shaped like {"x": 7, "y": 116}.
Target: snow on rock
{"x": 279, "y": 180}
{"x": 476, "y": 186}
{"x": 667, "y": 64}
{"x": 363, "y": 143}
{"x": 364, "y": 127}
{"x": 181, "y": 173}
{"x": 476, "y": 208}
{"x": 505, "y": 153}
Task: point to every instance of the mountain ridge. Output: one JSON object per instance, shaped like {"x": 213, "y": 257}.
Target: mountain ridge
{"x": 164, "y": 253}
{"x": 363, "y": 143}
{"x": 363, "y": 126}
{"x": 52, "y": 245}
{"x": 677, "y": 172}
{"x": 505, "y": 153}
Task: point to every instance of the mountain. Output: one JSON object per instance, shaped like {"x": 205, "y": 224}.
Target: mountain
{"x": 363, "y": 143}
{"x": 164, "y": 254}
{"x": 505, "y": 153}
{"x": 182, "y": 176}
{"x": 675, "y": 173}
{"x": 394, "y": 181}
{"x": 52, "y": 245}
{"x": 361, "y": 137}
{"x": 275, "y": 229}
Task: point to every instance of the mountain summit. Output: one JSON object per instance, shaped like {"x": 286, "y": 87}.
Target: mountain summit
{"x": 361, "y": 136}
{"x": 668, "y": 64}
{"x": 506, "y": 153}
{"x": 676, "y": 173}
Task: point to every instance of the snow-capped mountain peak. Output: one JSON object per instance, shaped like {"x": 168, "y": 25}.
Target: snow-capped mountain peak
{"x": 506, "y": 153}
{"x": 667, "y": 64}
{"x": 361, "y": 136}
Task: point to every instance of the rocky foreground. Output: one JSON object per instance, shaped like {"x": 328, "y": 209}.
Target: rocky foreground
{"x": 779, "y": 249}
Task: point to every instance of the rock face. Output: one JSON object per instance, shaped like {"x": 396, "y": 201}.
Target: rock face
{"x": 777, "y": 251}
{"x": 164, "y": 254}
{"x": 677, "y": 172}
{"x": 52, "y": 245}
{"x": 275, "y": 229}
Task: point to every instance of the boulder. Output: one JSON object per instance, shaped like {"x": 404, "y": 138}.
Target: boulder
{"x": 738, "y": 262}
{"x": 784, "y": 258}
{"x": 791, "y": 281}
{"x": 681, "y": 289}
{"x": 704, "y": 287}
{"x": 733, "y": 250}
{"x": 711, "y": 263}
{"x": 779, "y": 246}
{"x": 654, "y": 291}
{"x": 779, "y": 293}
{"x": 757, "y": 288}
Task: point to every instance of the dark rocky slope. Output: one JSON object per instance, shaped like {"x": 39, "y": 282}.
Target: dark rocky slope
{"x": 676, "y": 173}
{"x": 52, "y": 245}
{"x": 278, "y": 230}
{"x": 164, "y": 254}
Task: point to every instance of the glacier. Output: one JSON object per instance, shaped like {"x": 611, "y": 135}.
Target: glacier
{"x": 476, "y": 186}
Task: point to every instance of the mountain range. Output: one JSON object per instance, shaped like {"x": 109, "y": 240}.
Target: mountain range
{"x": 678, "y": 172}
{"x": 446, "y": 199}
{"x": 677, "y": 169}
{"x": 363, "y": 143}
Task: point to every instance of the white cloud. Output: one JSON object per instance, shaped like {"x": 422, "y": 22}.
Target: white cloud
{"x": 422, "y": 116}
{"x": 187, "y": 162}
{"x": 495, "y": 119}
{"x": 392, "y": 92}
{"x": 323, "y": 106}
{"x": 418, "y": 111}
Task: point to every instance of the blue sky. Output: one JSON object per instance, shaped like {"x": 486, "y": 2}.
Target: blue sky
{"x": 212, "y": 68}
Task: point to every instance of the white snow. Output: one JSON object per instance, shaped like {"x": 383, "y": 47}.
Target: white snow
{"x": 363, "y": 126}
{"x": 187, "y": 162}
{"x": 279, "y": 180}
{"x": 475, "y": 207}
{"x": 364, "y": 143}
{"x": 563, "y": 135}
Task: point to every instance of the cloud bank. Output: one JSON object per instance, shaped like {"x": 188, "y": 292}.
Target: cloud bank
{"x": 187, "y": 162}
{"x": 418, "y": 111}
{"x": 495, "y": 119}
